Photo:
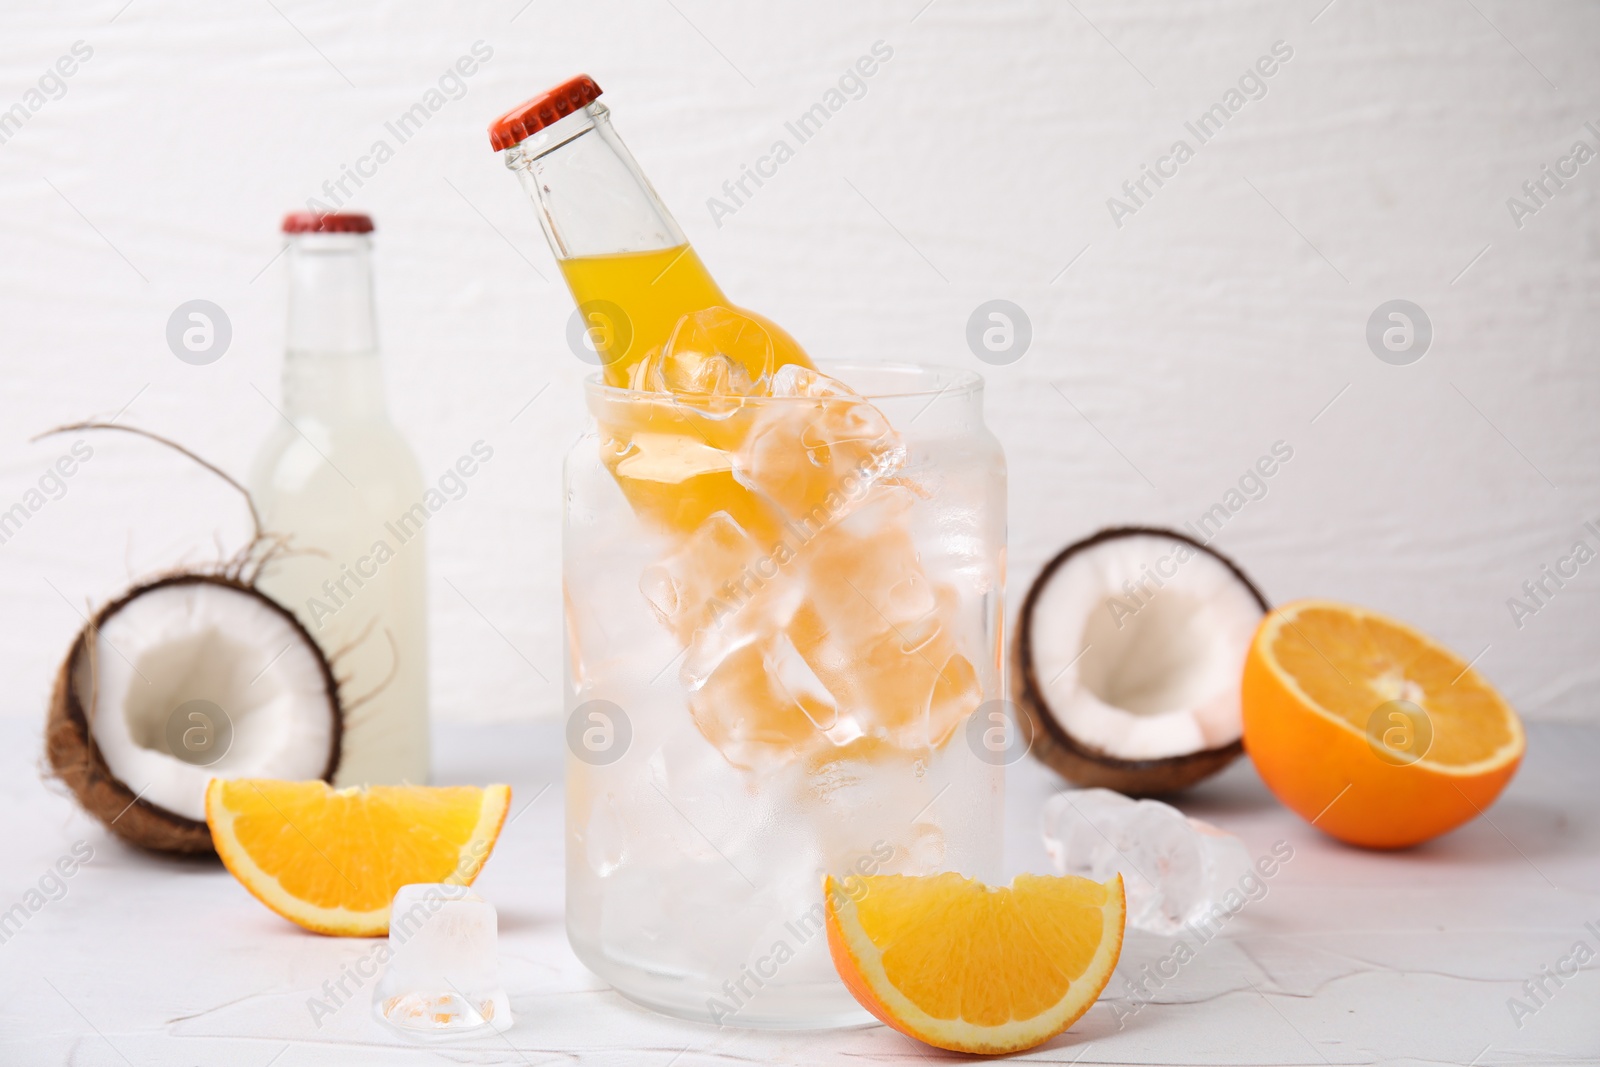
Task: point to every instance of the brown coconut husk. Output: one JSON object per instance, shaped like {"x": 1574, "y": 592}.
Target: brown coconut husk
{"x": 74, "y": 756}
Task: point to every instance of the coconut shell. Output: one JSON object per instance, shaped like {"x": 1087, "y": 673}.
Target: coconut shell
{"x": 76, "y": 759}
{"x": 1085, "y": 765}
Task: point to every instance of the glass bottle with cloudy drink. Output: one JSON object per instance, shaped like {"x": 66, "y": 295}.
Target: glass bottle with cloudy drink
{"x": 339, "y": 480}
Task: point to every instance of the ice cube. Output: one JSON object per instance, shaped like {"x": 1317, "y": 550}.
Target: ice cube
{"x": 443, "y": 976}
{"x": 717, "y": 352}
{"x": 794, "y": 582}
{"x": 797, "y": 380}
{"x": 907, "y": 685}
{"x": 815, "y": 454}
{"x": 699, "y": 446}
{"x": 1175, "y": 870}
{"x": 674, "y": 459}
{"x": 841, "y": 637}
{"x": 879, "y": 634}
{"x": 761, "y": 705}
{"x": 795, "y": 682}
{"x": 720, "y": 590}
{"x": 711, "y": 574}
{"x": 865, "y": 575}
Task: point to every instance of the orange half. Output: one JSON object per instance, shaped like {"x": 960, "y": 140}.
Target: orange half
{"x": 331, "y": 859}
{"x": 1371, "y": 730}
{"x": 975, "y": 968}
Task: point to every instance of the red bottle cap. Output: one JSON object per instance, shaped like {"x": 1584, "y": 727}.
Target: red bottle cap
{"x": 332, "y": 222}
{"x": 531, "y": 116}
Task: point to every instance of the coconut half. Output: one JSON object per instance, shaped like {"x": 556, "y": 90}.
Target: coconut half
{"x": 1129, "y": 652}
{"x": 181, "y": 680}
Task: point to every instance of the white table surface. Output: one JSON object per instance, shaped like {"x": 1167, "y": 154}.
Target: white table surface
{"x": 1351, "y": 957}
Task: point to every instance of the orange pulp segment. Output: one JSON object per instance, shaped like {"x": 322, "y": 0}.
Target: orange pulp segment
{"x": 974, "y": 968}
{"x": 331, "y": 859}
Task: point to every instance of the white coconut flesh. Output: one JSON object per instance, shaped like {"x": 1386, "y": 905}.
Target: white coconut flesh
{"x": 1138, "y": 644}
{"x": 205, "y": 642}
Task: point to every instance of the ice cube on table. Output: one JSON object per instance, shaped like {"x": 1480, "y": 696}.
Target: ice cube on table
{"x": 443, "y": 976}
{"x": 1175, "y": 869}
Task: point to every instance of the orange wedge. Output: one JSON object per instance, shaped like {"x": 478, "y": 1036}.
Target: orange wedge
{"x": 331, "y": 859}
{"x": 968, "y": 967}
{"x": 1370, "y": 730}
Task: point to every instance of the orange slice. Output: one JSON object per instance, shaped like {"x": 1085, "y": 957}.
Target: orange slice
{"x": 1370, "y": 730}
{"x": 331, "y": 859}
{"x": 968, "y": 967}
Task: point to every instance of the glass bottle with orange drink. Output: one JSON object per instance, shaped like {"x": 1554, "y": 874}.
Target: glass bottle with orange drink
{"x": 783, "y": 610}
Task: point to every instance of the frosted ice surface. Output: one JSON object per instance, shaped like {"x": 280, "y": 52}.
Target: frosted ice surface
{"x": 1174, "y": 868}
{"x": 443, "y": 976}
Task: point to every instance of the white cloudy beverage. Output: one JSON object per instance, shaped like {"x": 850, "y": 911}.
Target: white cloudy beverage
{"x": 339, "y": 480}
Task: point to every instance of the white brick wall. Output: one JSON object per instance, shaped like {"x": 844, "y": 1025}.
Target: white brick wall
{"x": 1223, "y": 315}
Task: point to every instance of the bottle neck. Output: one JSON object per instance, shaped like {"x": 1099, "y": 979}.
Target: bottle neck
{"x": 593, "y": 199}
{"x": 331, "y": 368}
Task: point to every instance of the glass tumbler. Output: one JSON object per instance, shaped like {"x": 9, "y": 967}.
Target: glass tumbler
{"x": 783, "y": 626}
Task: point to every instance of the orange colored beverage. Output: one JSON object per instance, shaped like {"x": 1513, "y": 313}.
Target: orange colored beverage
{"x": 654, "y": 290}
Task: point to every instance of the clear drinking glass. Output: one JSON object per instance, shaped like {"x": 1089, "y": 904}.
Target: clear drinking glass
{"x": 753, "y": 705}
